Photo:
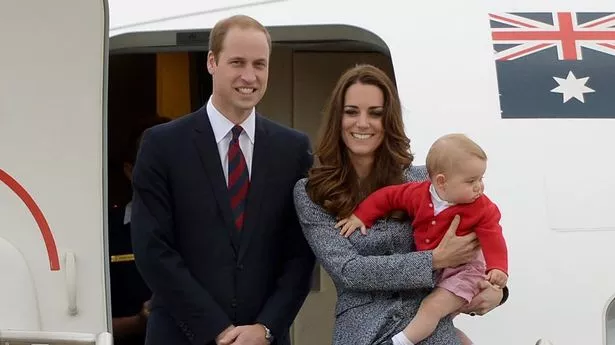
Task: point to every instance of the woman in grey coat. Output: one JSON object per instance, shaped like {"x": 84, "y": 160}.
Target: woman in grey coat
{"x": 380, "y": 280}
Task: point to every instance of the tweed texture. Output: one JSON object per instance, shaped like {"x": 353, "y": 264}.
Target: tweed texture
{"x": 379, "y": 278}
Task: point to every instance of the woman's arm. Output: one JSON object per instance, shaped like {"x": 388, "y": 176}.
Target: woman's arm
{"x": 387, "y": 272}
{"x": 350, "y": 269}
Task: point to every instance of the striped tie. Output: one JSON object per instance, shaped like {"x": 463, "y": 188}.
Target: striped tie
{"x": 238, "y": 178}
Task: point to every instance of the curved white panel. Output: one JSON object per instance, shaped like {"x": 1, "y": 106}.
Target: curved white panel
{"x": 17, "y": 293}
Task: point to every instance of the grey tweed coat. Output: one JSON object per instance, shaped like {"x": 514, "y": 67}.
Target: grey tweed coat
{"x": 380, "y": 281}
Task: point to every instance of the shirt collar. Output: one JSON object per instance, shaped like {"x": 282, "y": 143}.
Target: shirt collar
{"x": 222, "y": 126}
{"x": 436, "y": 198}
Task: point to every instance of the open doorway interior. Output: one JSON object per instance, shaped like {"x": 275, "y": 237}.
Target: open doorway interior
{"x": 173, "y": 83}
{"x": 609, "y": 323}
{"x": 143, "y": 86}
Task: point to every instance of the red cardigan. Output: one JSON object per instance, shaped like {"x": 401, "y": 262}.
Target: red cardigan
{"x": 482, "y": 216}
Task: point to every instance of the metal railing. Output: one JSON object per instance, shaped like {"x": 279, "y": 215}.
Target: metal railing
{"x": 54, "y": 338}
{"x": 63, "y": 338}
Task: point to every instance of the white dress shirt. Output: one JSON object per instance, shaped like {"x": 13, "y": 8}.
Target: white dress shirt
{"x": 222, "y": 132}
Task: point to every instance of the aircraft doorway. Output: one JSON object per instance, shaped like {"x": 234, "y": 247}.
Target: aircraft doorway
{"x": 302, "y": 74}
{"x": 145, "y": 89}
{"x": 143, "y": 86}
{"x": 609, "y": 323}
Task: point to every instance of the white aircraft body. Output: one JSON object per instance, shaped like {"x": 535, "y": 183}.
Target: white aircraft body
{"x": 533, "y": 83}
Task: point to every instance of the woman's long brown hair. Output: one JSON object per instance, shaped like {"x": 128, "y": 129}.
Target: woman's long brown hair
{"x": 333, "y": 183}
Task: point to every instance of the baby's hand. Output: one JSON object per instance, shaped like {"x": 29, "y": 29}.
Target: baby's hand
{"x": 497, "y": 278}
{"x": 349, "y": 225}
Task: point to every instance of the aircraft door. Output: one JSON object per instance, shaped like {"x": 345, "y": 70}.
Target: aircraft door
{"x": 52, "y": 165}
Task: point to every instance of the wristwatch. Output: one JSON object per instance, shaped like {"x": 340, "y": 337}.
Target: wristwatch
{"x": 268, "y": 335}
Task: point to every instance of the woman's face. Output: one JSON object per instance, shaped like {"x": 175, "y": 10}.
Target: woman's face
{"x": 362, "y": 129}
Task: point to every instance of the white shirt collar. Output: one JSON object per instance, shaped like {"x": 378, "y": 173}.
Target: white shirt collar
{"x": 222, "y": 126}
{"x": 436, "y": 198}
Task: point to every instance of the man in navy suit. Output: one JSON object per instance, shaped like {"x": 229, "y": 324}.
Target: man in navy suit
{"x": 215, "y": 234}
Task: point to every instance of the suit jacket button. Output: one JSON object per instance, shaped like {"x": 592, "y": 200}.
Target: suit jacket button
{"x": 234, "y": 303}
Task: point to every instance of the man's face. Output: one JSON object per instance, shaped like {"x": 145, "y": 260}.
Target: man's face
{"x": 241, "y": 71}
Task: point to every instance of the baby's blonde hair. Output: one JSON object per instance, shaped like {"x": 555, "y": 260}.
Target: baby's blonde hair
{"x": 449, "y": 151}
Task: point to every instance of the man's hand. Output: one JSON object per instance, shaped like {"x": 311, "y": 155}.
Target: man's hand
{"x": 226, "y": 338}
{"x": 349, "y": 225}
{"x": 244, "y": 335}
{"x": 489, "y": 298}
{"x": 145, "y": 310}
{"x": 497, "y": 278}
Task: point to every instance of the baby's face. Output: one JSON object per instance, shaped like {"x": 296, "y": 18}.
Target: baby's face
{"x": 465, "y": 185}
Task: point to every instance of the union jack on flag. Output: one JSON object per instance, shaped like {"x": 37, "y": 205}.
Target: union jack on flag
{"x": 555, "y": 65}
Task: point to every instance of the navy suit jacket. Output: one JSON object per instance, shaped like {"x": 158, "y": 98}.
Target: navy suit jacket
{"x": 201, "y": 278}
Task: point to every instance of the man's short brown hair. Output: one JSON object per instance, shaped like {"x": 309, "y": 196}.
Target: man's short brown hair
{"x": 219, "y": 31}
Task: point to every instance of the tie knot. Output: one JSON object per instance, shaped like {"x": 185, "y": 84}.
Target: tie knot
{"x": 236, "y": 132}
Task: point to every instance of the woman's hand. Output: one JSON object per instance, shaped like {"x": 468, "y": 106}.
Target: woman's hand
{"x": 487, "y": 299}
{"x": 454, "y": 250}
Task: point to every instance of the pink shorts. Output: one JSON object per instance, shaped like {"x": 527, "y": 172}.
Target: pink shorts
{"x": 463, "y": 280}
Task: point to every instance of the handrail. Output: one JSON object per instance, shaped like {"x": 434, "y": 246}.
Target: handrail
{"x": 51, "y": 338}
{"x": 70, "y": 268}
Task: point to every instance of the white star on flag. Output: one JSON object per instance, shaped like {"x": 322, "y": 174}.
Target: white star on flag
{"x": 572, "y": 87}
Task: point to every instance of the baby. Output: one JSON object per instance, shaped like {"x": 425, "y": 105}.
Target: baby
{"x": 456, "y": 166}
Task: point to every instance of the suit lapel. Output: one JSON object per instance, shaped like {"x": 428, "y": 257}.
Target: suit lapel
{"x": 258, "y": 183}
{"x": 205, "y": 142}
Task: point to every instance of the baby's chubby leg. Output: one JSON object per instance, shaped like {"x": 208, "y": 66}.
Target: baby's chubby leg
{"x": 438, "y": 304}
